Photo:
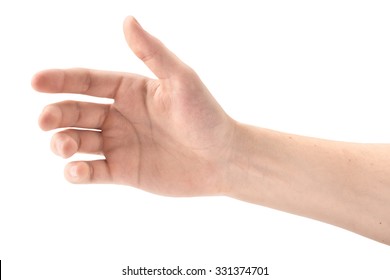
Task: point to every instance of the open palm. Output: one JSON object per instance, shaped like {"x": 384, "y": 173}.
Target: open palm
{"x": 167, "y": 136}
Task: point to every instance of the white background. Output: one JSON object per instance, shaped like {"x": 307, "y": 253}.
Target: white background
{"x": 317, "y": 68}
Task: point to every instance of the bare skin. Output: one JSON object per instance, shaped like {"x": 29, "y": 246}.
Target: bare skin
{"x": 169, "y": 136}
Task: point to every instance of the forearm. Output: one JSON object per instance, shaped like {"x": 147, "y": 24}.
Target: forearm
{"x": 344, "y": 184}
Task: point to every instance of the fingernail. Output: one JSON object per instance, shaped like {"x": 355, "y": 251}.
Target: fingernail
{"x": 60, "y": 147}
{"x": 136, "y": 21}
{"x": 73, "y": 171}
{"x": 50, "y": 117}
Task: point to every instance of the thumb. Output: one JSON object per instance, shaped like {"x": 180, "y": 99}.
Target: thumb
{"x": 161, "y": 61}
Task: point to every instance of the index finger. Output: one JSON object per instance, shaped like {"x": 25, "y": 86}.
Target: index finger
{"x": 84, "y": 81}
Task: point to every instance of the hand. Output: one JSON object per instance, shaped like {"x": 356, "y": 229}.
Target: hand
{"x": 167, "y": 136}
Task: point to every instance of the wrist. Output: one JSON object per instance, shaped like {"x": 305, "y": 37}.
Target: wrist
{"x": 261, "y": 166}
{"x": 246, "y": 168}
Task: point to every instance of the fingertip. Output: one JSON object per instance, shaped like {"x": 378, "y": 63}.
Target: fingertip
{"x": 47, "y": 81}
{"x": 130, "y": 21}
{"x": 127, "y": 29}
{"x": 63, "y": 145}
{"x": 136, "y": 37}
{"x": 77, "y": 172}
{"x": 49, "y": 118}
{"x": 39, "y": 80}
{"x": 35, "y": 81}
{"x": 160, "y": 60}
{"x": 127, "y": 20}
{"x": 126, "y": 26}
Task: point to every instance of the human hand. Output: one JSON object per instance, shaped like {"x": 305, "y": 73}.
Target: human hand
{"x": 167, "y": 136}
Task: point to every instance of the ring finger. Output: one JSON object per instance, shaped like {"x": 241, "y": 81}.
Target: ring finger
{"x": 68, "y": 142}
